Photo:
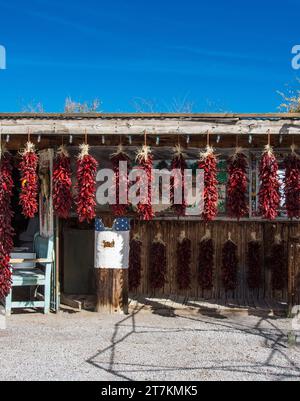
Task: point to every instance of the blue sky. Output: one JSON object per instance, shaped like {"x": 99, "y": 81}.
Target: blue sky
{"x": 220, "y": 56}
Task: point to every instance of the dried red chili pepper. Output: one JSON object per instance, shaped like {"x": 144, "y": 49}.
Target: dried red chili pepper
{"x": 6, "y": 191}
{"x": 177, "y": 183}
{"x": 62, "y": 184}
{"x": 208, "y": 164}
{"x": 269, "y": 195}
{"x": 237, "y": 186}
{"x": 292, "y": 184}
{"x": 29, "y": 181}
{"x": 5, "y": 273}
{"x": 158, "y": 263}
{"x": 86, "y": 185}
{"x": 6, "y": 215}
{"x": 229, "y": 266}
{"x": 278, "y": 266}
{"x": 206, "y": 263}
{"x": 135, "y": 263}
{"x": 120, "y": 182}
{"x": 145, "y": 160}
{"x": 184, "y": 256}
{"x": 254, "y": 265}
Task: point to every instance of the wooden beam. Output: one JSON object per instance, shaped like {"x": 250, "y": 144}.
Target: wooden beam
{"x": 153, "y": 126}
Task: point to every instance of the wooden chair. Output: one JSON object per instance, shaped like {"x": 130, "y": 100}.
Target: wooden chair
{"x": 37, "y": 273}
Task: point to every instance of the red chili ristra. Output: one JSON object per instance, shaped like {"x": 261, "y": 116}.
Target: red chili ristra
{"x": 237, "y": 202}
{"x": 158, "y": 265}
{"x": 278, "y": 266}
{"x": 177, "y": 183}
{"x": 254, "y": 265}
{"x": 6, "y": 191}
{"x": 269, "y": 195}
{"x": 229, "y": 266}
{"x": 184, "y": 256}
{"x": 208, "y": 164}
{"x": 135, "y": 264}
{"x": 120, "y": 182}
{"x": 62, "y": 184}
{"x": 206, "y": 264}
{"x": 29, "y": 181}
{"x": 292, "y": 184}
{"x": 6, "y": 215}
{"x": 145, "y": 160}
{"x": 86, "y": 185}
{"x": 5, "y": 273}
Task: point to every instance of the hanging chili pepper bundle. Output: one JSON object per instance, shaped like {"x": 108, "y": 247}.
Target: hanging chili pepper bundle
{"x": 6, "y": 215}
{"x": 145, "y": 160}
{"x": 184, "y": 256}
{"x": 135, "y": 263}
{"x": 86, "y": 185}
{"x": 208, "y": 164}
{"x": 254, "y": 264}
{"x": 62, "y": 183}
{"x": 29, "y": 181}
{"x": 120, "y": 182}
{"x": 237, "y": 186}
{"x": 292, "y": 184}
{"x": 229, "y": 265}
{"x": 6, "y": 192}
{"x": 177, "y": 184}
{"x": 158, "y": 263}
{"x": 206, "y": 262}
{"x": 269, "y": 195}
{"x": 278, "y": 265}
{"x": 5, "y": 273}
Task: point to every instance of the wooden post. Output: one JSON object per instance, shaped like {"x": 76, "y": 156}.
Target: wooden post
{"x": 112, "y": 290}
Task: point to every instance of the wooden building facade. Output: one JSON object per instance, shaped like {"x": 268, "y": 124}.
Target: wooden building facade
{"x": 74, "y": 244}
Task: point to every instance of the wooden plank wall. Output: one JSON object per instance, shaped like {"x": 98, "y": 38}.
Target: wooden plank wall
{"x": 241, "y": 235}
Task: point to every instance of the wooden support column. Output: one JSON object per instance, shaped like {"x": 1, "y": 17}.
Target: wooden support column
{"x": 112, "y": 290}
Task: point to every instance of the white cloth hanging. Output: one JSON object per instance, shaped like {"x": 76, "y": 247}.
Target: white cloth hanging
{"x": 111, "y": 246}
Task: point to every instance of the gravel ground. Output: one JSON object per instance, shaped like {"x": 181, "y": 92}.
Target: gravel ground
{"x": 147, "y": 346}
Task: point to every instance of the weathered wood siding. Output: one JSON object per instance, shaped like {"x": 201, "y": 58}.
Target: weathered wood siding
{"x": 241, "y": 235}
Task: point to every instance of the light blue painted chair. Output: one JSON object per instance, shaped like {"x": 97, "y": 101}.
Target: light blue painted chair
{"x": 38, "y": 273}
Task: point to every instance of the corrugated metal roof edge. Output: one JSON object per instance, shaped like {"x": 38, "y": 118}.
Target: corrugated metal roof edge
{"x": 196, "y": 116}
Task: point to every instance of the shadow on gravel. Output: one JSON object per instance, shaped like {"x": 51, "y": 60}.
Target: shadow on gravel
{"x": 273, "y": 338}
